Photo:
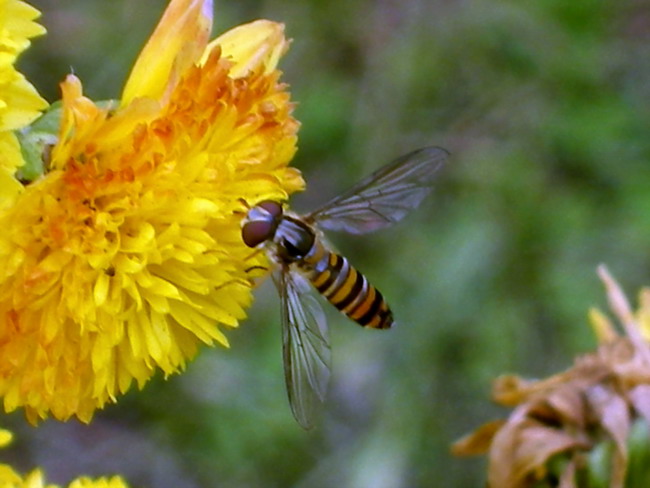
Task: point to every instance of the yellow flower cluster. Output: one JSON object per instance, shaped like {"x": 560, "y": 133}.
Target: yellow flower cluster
{"x": 124, "y": 253}
{"x": 20, "y": 104}
{"x": 127, "y": 254}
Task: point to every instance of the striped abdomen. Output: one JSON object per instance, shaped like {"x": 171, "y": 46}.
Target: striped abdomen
{"x": 348, "y": 290}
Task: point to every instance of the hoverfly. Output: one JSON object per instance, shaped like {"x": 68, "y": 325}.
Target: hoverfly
{"x": 295, "y": 244}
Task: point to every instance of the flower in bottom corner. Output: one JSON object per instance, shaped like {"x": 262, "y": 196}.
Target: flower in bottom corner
{"x": 126, "y": 254}
{"x": 9, "y": 478}
{"x": 588, "y": 426}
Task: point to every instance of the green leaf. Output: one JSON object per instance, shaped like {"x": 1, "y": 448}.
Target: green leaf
{"x": 36, "y": 141}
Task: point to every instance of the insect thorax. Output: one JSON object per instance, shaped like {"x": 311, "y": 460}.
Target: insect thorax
{"x": 294, "y": 239}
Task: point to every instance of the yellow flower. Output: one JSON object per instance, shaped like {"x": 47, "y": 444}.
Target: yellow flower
{"x": 9, "y": 478}
{"x": 114, "y": 482}
{"x": 127, "y": 254}
{"x": 19, "y": 102}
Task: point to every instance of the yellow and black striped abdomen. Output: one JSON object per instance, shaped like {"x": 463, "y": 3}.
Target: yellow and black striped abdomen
{"x": 349, "y": 291}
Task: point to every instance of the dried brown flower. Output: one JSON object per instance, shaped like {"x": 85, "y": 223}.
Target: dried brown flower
{"x": 586, "y": 426}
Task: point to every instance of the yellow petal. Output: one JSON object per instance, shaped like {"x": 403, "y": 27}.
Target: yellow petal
{"x": 5, "y": 437}
{"x": 249, "y": 46}
{"x": 602, "y": 326}
{"x": 21, "y": 103}
{"x": 178, "y": 42}
{"x": 17, "y": 26}
{"x": 10, "y": 188}
{"x": 11, "y": 157}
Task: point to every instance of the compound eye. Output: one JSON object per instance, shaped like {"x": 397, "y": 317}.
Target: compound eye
{"x": 254, "y": 233}
{"x": 274, "y": 208}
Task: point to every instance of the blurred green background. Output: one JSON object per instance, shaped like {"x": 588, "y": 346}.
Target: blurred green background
{"x": 545, "y": 108}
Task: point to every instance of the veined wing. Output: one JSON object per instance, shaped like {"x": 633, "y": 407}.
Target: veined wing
{"x": 385, "y": 196}
{"x": 305, "y": 346}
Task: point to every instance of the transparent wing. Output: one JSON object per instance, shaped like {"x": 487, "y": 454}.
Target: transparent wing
{"x": 305, "y": 346}
{"x": 385, "y": 196}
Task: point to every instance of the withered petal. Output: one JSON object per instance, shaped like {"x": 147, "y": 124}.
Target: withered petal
{"x": 568, "y": 478}
{"x": 640, "y": 398}
{"x": 510, "y": 390}
{"x": 477, "y": 442}
{"x": 618, "y": 302}
{"x": 567, "y": 402}
{"x": 521, "y": 450}
{"x": 612, "y": 412}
